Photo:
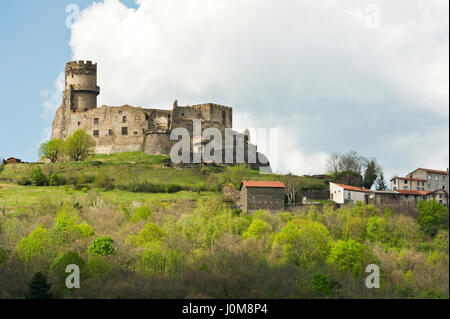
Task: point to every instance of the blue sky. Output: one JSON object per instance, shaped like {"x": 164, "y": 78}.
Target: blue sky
{"x": 35, "y": 48}
{"x": 370, "y": 76}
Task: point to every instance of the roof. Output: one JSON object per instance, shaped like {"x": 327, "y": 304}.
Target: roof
{"x": 409, "y": 178}
{"x": 432, "y": 171}
{"x": 353, "y": 188}
{"x": 268, "y": 184}
{"x": 413, "y": 192}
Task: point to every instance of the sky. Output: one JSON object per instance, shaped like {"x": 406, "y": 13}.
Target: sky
{"x": 331, "y": 75}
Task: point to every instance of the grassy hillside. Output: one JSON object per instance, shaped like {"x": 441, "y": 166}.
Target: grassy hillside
{"x": 138, "y": 228}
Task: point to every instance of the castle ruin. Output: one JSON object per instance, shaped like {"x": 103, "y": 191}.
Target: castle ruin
{"x": 125, "y": 128}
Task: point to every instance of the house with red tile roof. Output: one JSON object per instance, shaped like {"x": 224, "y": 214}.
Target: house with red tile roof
{"x": 343, "y": 194}
{"x": 265, "y": 195}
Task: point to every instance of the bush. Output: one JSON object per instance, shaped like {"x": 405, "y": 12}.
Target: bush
{"x": 36, "y": 243}
{"x": 432, "y": 216}
{"x": 350, "y": 256}
{"x": 102, "y": 180}
{"x": 54, "y": 180}
{"x": 321, "y": 284}
{"x": 102, "y": 246}
{"x": 24, "y": 181}
{"x": 142, "y": 213}
{"x": 38, "y": 177}
{"x": 59, "y": 264}
{"x": 257, "y": 229}
{"x": 172, "y": 188}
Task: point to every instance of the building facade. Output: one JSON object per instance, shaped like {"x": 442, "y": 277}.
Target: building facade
{"x": 435, "y": 179}
{"x": 265, "y": 195}
{"x": 408, "y": 183}
{"x": 343, "y": 194}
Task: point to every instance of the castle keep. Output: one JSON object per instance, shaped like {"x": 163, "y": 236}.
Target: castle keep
{"x": 125, "y": 128}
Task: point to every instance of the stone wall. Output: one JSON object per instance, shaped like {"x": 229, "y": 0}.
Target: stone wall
{"x": 254, "y": 198}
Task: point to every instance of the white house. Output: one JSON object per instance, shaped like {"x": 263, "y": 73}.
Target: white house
{"x": 343, "y": 194}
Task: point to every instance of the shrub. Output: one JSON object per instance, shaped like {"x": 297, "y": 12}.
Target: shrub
{"x": 377, "y": 229}
{"x": 350, "y": 256}
{"x": 142, "y": 213}
{"x": 2, "y": 255}
{"x": 24, "y": 181}
{"x": 432, "y": 216}
{"x": 303, "y": 240}
{"x": 54, "y": 180}
{"x": 59, "y": 264}
{"x": 321, "y": 284}
{"x": 354, "y": 228}
{"x": 97, "y": 266}
{"x": 102, "y": 180}
{"x": 257, "y": 229}
{"x": 38, "y": 177}
{"x": 52, "y": 150}
{"x": 36, "y": 243}
{"x": 172, "y": 188}
{"x": 102, "y": 246}
{"x": 149, "y": 233}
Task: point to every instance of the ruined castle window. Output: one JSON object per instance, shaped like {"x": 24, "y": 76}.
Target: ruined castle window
{"x": 79, "y": 123}
{"x": 96, "y": 134}
{"x": 135, "y": 133}
{"x": 137, "y": 118}
{"x": 96, "y": 121}
{"x": 124, "y": 119}
{"x": 124, "y": 130}
{"x": 120, "y": 112}
{"x": 146, "y": 116}
{"x": 110, "y": 132}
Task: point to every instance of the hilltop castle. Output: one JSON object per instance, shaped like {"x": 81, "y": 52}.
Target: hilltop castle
{"x": 125, "y": 128}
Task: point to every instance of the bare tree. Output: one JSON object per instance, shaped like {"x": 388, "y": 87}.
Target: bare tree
{"x": 333, "y": 163}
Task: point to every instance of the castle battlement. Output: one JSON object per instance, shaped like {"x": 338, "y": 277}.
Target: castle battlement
{"x": 80, "y": 63}
{"x": 211, "y": 105}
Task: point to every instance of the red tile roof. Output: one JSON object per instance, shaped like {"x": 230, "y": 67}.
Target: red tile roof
{"x": 270, "y": 184}
{"x": 410, "y": 178}
{"x": 353, "y": 188}
{"x": 413, "y": 192}
{"x": 433, "y": 171}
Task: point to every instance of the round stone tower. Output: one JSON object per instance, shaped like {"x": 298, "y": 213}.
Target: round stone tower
{"x": 81, "y": 84}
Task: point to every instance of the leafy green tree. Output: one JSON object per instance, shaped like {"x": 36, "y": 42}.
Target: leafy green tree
{"x": 378, "y": 229}
{"x": 257, "y": 229}
{"x": 354, "y": 228}
{"x": 102, "y": 246}
{"x": 39, "y": 288}
{"x": 80, "y": 145}
{"x": 432, "y": 216}
{"x": 36, "y": 243}
{"x": 303, "y": 240}
{"x": 38, "y": 177}
{"x": 142, "y": 213}
{"x": 54, "y": 180}
{"x": 350, "y": 256}
{"x": 52, "y": 150}
{"x": 150, "y": 232}
{"x": 60, "y": 263}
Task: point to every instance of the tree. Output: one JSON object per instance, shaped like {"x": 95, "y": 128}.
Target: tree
{"x": 52, "y": 150}
{"x": 370, "y": 174}
{"x": 350, "y": 256}
{"x": 80, "y": 145}
{"x": 102, "y": 246}
{"x": 432, "y": 216}
{"x": 38, "y": 177}
{"x": 39, "y": 288}
{"x": 381, "y": 183}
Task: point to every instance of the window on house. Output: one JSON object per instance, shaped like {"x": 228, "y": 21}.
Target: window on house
{"x": 429, "y": 176}
{"x": 405, "y": 188}
{"x": 96, "y": 121}
{"x": 96, "y": 134}
{"x": 124, "y": 119}
{"x": 406, "y": 182}
{"x": 124, "y": 130}
{"x": 189, "y": 128}
{"x": 436, "y": 177}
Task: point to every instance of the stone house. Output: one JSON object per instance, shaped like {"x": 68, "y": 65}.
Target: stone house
{"x": 439, "y": 195}
{"x": 408, "y": 183}
{"x": 435, "y": 179}
{"x": 265, "y": 195}
{"x": 343, "y": 194}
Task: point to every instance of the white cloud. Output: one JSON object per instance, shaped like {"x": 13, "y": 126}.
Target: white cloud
{"x": 307, "y": 66}
{"x": 52, "y": 100}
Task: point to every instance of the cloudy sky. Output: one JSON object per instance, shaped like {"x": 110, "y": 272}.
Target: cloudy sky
{"x": 333, "y": 75}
